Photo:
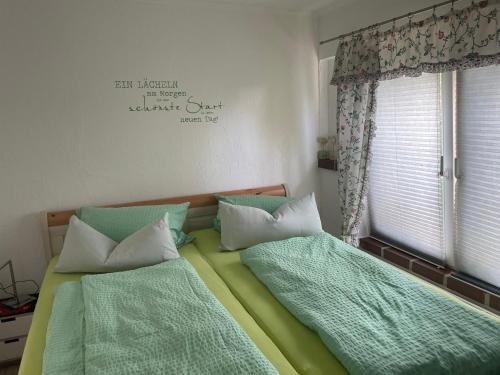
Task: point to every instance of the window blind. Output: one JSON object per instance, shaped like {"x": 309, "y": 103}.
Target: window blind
{"x": 477, "y": 194}
{"x": 405, "y": 196}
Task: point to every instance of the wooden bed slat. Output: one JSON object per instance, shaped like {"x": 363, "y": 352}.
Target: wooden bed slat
{"x": 201, "y": 200}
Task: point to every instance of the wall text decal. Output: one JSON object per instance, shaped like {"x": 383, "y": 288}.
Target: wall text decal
{"x": 168, "y": 97}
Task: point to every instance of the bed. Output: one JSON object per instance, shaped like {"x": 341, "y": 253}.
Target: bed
{"x": 200, "y": 215}
{"x": 287, "y": 343}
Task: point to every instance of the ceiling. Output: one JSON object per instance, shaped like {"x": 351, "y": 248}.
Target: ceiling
{"x": 297, "y": 5}
{"x": 292, "y": 5}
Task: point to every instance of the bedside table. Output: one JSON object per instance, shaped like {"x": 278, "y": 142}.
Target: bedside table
{"x": 13, "y": 332}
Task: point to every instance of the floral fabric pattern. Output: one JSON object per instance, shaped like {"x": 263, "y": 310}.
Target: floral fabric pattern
{"x": 356, "y": 129}
{"x": 357, "y": 58}
{"x": 458, "y": 40}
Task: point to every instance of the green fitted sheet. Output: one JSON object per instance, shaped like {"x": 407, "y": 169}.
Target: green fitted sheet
{"x": 302, "y": 347}
{"x": 31, "y": 363}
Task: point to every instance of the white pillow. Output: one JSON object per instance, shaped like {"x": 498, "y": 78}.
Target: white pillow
{"x": 84, "y": 249}
{"x": 244, "y": 226}
{"x": 87, "y": 250}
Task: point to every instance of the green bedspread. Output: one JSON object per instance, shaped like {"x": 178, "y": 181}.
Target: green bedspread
{"x": 375, "y": 318}
{"x": 153, "y": 320}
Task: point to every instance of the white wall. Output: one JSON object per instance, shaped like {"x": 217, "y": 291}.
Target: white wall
{"x": 331, "y": 22}
{"x": 67, "y": 138}
{"x": 329, "y": 207}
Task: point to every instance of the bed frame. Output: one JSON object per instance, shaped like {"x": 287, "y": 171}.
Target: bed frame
{"x": 200, "y": 215}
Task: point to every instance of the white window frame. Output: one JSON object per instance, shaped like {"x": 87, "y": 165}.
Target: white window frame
{"x": 447, "y": 83}
{"x": 449, "y": 171}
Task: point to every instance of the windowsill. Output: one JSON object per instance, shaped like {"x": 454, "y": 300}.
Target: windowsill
{"x": 441, "y": 276}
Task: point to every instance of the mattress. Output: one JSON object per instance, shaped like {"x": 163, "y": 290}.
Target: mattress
{"x": 31, "y": 363}
{"x": 302, "y": 347}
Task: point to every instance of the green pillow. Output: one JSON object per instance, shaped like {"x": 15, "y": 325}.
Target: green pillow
{"x": 119, "y": 223}
{"x": 269, "y": 203}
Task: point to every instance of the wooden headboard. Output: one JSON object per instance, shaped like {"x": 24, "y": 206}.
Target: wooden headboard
{"x": 201, "y": 213}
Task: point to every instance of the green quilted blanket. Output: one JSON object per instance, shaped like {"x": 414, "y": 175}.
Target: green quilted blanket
{"x": 154, "y": 320}
{"x": 372, "y": 316}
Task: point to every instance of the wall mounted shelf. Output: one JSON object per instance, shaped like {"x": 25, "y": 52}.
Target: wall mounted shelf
{"x": 327, "y": 164}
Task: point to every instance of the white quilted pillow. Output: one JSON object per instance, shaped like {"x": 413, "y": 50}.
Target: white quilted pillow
{"x": 87, "y": 250}
{"x": 244, "y": 226}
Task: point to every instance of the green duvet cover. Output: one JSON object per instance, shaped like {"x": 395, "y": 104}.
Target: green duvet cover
{"x": 153, "y": 320}
{"x": 375, "y": 318}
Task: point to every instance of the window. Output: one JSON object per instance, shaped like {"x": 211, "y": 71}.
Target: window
{"x": 477, "y": 198}
{"x": 418, "y": 200}
{"x": 405, "y": 189}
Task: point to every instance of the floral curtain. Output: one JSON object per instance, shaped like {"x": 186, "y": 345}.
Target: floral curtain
{"x": 458, "y": 40}
{"x": 356, "y": 128}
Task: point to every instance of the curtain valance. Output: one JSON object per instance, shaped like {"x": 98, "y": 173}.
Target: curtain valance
{"x": 457, "y": 40}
